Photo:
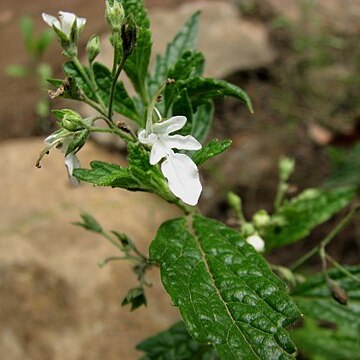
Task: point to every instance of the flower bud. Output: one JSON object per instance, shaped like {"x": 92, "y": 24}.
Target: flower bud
{"x": 129, "y": 34}
{"x": 257, "y": 242}
{"x": 93, "y": 48}
{"x": 114, "y": 15}
{"x": 286, "y": 167}
{"x": 72, "y": 121}
{"x": 261, "y": 219}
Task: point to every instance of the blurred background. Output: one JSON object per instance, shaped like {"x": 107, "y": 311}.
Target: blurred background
{"x": 299, "y": 62}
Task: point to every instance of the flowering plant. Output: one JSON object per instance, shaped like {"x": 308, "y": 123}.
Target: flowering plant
{"x": 233, "y": 303}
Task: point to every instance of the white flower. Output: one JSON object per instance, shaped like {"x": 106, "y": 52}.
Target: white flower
{"x": 62, "y": 141}
{"x": 65, "y": 23}
{"x": 180, "y": 171}
{"x": 257, "y": 242}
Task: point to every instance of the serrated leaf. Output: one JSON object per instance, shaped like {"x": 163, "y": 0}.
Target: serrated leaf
{"x": 189, "y": 65}
{"x": 299, "y": 216}
{"x": 175, "y": 344}
{"x": 323, "y": 344}
{"x": 105, "y": 174}
{"x": 183, "y": 41}
{"x": 89, "y": 223}
{"x": 122, "y": 103}
{"x": 314, "y": 298}
{"x": 202, "y": 89}
{"x": 137, "y": 64}
{"x": 226, "y": 292}
{"x": 139, "y": 176}
{"x": 213, "y": 148}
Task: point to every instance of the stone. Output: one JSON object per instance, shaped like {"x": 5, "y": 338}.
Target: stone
{"x": 56, "y": 303}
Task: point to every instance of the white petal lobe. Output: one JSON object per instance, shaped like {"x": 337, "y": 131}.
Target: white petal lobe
{"x": 180, "y": 142}
{"x": 170, "y": 125}
{"x": 183, "y": 178}
{"x": 71, "y": 163}
{"x": 51, "y": 20}
{"x": 158, "y": 151}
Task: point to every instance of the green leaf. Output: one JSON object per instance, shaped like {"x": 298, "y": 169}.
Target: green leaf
{"x": 139, "y": 176}
{"x": 299, "y": 216}
{"x": 137, "y": 64}
{"x": 201, "y": 89}
{"x": 346, "y": 166}
{"x": 44, "y": 41}
{"x": 323, "y": 344}
{"x": 183, "y": 41}
{"x": 225, "y": 291}
{"x": 80, "y": 138}
{"x": 175, "y": 344}
{"x": 89, "y": 223}
{"x": 189, "y": 65}
{"x": 105, "y": 174}
{"x": 314, "y": 298}
{"x": 55, "y": 82}
{"x": 202, "y": 121}
{"x": 122, "y": 103}
{"x": 213, "y": 148}
{"x": 27, "y": 32}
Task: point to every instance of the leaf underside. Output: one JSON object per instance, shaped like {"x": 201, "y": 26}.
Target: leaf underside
{"x": 225, "y": 291}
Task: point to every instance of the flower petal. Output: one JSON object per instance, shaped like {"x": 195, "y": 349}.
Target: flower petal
{"x": 51, "y": 20}
{"x": 183, "y": 177}
{"x": 80, "y": 23}
{"x": 170, "y": 125}
{"x": 71, "y": 163}
{"x": 158, "y": 151}
{"x": 67, "y": 20}
{"x": 180, "y": 142}
{"x": 147, "y": 140}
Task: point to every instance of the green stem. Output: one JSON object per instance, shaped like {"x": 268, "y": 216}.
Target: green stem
{"x": 342, "y": 223}
{"x": 114, "y": 130}
{"x": 342, "y": 269}
{"x": 281, "y": 190}
{"x": 92, "y": 85}
{"x": 113, "y": 85}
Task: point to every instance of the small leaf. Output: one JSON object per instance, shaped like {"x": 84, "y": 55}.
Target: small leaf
{"x": 314, "y": 298}
{"x": 122, "y": 102}
{"x": 44, "y": 41}
{"x": 175, "y": 344}
{"x": 135, "y": 297}
{"x": 27, "y": 32}
{"x": 201, "y": 89}
{"x": 225, "y": 291}
{"x": 320, "y": 343}
{"x": 183, "y": 41}
{"x": 213, "y": 148}
{"x": 89, "y": 223}
{"x": 299, "y": 216}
